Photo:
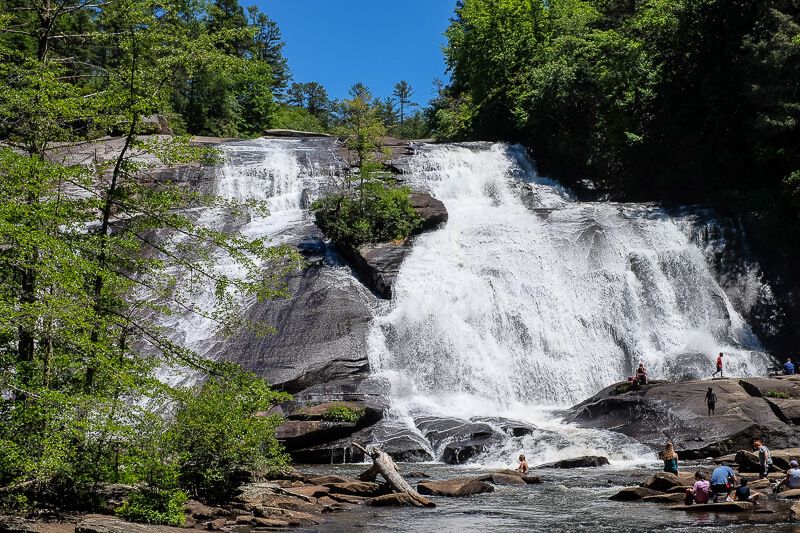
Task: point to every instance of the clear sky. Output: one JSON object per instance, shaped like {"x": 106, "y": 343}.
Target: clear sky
{"x": 377, "y": 42}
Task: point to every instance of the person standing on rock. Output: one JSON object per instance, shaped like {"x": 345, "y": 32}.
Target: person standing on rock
{"x": 711, "y": 401}
{"x": 719, "y": 366}
{"x": 764, "y": 458}
{"x": 670, "y": 459}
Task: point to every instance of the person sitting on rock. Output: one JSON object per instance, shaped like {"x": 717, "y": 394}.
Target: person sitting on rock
{"x": 641, "y": 374}
{"x": 788, "y": 367}
{"x": 792, "y": 479}
{"x": 699, "y": 491}
{"x": 670, "y": 459}
{"x": 723, "y": 479}
{"x": 523, "y": 464}
{"x": 719, "y": 366}
{"x": 743, "y": 494}
{"x": 764, "y": 458}
{"x": 711, "y": 401}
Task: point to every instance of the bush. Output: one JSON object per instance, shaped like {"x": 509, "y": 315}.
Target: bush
{"x": 154, "y": 507}
{"x": 777, "y": 394}
{"x": 221, "y": 440}
{"x": 377, "y": 212}
{"x": 622, "y": 388}
{"x": 342, "y": 413}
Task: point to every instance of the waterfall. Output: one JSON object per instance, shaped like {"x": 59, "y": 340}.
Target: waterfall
{"x": 528, "y": 298}
{"x": 267, "y": 178}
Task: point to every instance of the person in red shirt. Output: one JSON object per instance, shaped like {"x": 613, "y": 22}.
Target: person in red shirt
{"x": 719, "y": 366}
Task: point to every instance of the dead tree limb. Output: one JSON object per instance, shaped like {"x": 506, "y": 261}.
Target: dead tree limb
{"x": 385, "y": 465}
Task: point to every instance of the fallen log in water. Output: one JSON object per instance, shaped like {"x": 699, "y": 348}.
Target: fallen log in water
{"x": 384, "y": 465}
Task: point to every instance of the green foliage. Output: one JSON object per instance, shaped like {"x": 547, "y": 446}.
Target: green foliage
{"x": 91, "y": 265}
{"x": 296, "y": 118}
{"x": 777, "y": 394}
{"x": 657, "y": 98}
{"x": 342, "y": 413}
{"x": 380, "y": 212}
{"x": 150, "y": 507}
{"x": 622, "y": 388}
{"x": 217, "y": 452}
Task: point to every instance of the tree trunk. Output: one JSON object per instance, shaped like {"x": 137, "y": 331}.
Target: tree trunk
{"x": 383, "y": 464}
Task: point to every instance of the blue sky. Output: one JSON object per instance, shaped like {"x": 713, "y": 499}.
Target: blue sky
{"x": 377, "y": 42}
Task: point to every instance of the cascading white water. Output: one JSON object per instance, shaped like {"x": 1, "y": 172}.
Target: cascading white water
{"x": 267, "y": 176}
{"x": 511, "y": 307}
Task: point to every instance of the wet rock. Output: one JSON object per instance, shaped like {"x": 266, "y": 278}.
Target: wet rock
{"x": 513, "y": 428}
{"x": 462, "y": 439}
{"x": 664, "y": 498}
{"x": 396, "y": 499}
{"x": 506, "y": 479}
{"x": 335, "y": 507}
{"x": 432, "y": 211}
{"x": 454, "y": 487}
{"x": 664, "y": 481}
{"x": 347, "y": 498}
{"x": 216, "y": 525}
{"x": 417, "y": 474}
{"x": 109, "y": 524}
{"x": 293, "y": 518}
{"x": 355, "y": 488}
{"x": 587, "y": 461}
{"x": 794, "y": 513}
{"x": 630, "y": 494}
{"x": 791, "y": 494}
{"x": 678, "y": 409}
{"x": 721, "y": 507}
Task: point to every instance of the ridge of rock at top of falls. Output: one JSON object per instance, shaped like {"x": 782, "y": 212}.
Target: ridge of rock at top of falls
{"x": 377, "y": 264}
{"x": 676, "y": 411}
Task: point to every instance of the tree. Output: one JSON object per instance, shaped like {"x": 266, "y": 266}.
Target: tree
{"x": 403, "y": 92}
{"x": 89, "y": 250}
{"x": 312, "y": 97}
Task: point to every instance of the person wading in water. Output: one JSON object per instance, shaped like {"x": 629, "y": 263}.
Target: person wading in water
{"x": 711, "y": 401}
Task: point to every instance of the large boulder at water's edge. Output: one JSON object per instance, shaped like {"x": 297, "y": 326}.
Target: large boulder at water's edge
{"x": 630, "y": 494}
{"x": 586, "y": 461}
{"x": 721, "y": 507}
{"x": 109, "y": 524}
{"x": 677, "y": 411}
{"x": 454, "y": 487}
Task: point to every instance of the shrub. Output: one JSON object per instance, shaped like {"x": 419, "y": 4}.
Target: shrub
{"x": 777, "y": 394}
{"x": 221, "y": 440}
{"x": 377, "y": 212}
{"x": 342, "y": 413}
{"x": 154, "y": 507}
{"x": 622, "y": 388}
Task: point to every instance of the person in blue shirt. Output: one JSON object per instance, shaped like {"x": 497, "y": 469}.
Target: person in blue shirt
{"x": 723, "y": 479}
{"x": 788, "y": 367}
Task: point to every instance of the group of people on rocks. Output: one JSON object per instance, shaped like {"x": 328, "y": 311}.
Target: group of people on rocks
{"x": 722, "y": 484}
{"x": 640, "y": 377}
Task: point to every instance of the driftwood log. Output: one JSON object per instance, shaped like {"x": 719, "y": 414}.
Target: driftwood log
{"x": 384, "y": 465}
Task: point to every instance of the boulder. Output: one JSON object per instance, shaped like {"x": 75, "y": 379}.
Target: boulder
{"x": 198, "y": 511}
{"x": 458, "y": 439}
{"x": 786, "y": 410}
{"x": 109, "y": 524}
{"x": 293, "y": 518}
{"x": 355, "y": 488}
{"x": 664, "y": 481}
{"x": 347, "y": 498}
{"x": 454, "y": 487}
{"x": 432, "y": 211}
{"x": 396, "y": 499}
{"x": 506, "y": 479}
{"x": 721, "y": 507}
{"x": 665, "y": 498}
{"x": 324, "y": 480}
{"x": 417, "y": 474}
{"x": 216, "y": 525}
{"x": 309, "y": 491}
{"x": 513, "y": 428}
{"x": 377, "y": 264}
{"x": 15, "y": 524}
{"x": 794, "y": 513}
{"x": 771, "y": 387}
{"x": 677, "y": 409}
{"x": 790, "y": 494}
{"x": 630, "y": 494}
{"x": 586, "y": 461}
{"x": 156, "y": 125}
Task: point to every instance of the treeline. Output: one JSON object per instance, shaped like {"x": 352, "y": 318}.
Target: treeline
{"x": 661, "y": 99}
{"x": 98, "y": 253}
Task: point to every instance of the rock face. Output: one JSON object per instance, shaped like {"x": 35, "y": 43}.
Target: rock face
{"x": 377, "y": 264}
{"x": 454, "y": 487}
{"x": 630, "y": 494}
{"x": 677, "y": 411}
